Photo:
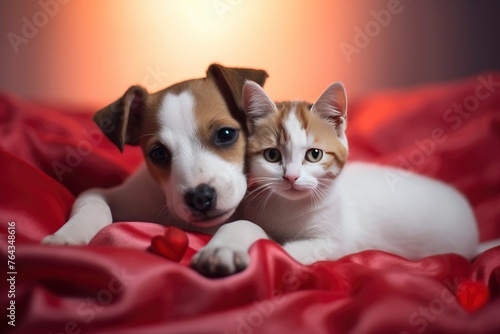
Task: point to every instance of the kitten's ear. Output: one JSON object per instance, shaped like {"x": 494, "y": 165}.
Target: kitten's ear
{"x": 257, "y": 103}
{"x": 332, "y": 106}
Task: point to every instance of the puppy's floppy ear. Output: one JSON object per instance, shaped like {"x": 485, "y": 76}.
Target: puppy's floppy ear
{"x": 121, "y": 120}
{"x": 230, "y": 81}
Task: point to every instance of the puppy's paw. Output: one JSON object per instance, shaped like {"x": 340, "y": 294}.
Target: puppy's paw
{"x": 220, "y": 261}
{"x": 62, "y": 239}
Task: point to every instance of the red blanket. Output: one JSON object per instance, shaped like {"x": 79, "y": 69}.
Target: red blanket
{"x": 118, "y": 285}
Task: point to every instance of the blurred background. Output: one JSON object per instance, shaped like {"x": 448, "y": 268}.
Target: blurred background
{"x": 84, "y": 54}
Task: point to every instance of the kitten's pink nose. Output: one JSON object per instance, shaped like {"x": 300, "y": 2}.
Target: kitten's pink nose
{"x": 291, "y": 177}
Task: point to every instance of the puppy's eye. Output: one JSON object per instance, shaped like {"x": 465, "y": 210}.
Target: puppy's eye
{"x": 226, "y": 136}
{"x": 159, "y": 155}
{"x": 272, "y": 155}
{"x": 314, "y": 155}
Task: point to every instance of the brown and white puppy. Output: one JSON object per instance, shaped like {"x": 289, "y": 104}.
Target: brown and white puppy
{"x": 193, "y": 138}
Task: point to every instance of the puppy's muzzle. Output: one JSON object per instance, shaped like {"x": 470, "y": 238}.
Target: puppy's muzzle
{"x": 201, "y": 199}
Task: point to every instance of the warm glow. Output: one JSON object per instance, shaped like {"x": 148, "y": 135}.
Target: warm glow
{"x": 89, "y": 52}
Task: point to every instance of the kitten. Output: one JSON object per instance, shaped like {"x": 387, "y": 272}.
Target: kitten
{"x": 305, "y": 196}
{"x": 320, "y": 207}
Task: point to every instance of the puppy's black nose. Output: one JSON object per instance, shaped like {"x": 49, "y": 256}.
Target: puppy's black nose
{"x": 201, "y": 199}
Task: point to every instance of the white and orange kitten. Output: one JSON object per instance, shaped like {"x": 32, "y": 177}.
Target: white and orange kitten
{"x": 305, "y": 196}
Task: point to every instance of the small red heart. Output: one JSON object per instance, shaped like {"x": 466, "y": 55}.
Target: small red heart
{"x": 172, "y": 244}
{"x": 472, "y": 294}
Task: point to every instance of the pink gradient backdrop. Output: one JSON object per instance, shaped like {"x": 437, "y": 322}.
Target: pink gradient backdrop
{"x": 89, "y": 52}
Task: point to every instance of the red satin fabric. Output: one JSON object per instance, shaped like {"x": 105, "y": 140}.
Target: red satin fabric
{"x": 118, "y": 284}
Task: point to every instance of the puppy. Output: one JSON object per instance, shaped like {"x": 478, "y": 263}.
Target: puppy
{"x": 193, "y": 139}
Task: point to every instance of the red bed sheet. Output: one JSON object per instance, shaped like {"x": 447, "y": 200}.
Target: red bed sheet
{"x": 448, "y": 131}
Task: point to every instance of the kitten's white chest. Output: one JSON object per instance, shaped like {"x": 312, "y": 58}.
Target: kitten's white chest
{"x": 286, "y": 220}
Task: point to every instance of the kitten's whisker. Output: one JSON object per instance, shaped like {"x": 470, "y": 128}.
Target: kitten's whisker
{"x": 254, "y": 193}
{"x": 315, "y": 196}
{"x": 261, "y": 192}
{"x": 164, "y": 215}
{"x": 259, "y": 188}
{"x": 145, "y": 135}
{"x": 261, "y": 182}
{"x": 266, "y": 200}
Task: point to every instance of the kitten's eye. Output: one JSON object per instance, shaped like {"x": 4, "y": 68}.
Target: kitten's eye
{"x": 226, "y": 136}
{"x": 272, "y": 155}
{"x": 159, "y": 155}
{"x": 314, "y": 155}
